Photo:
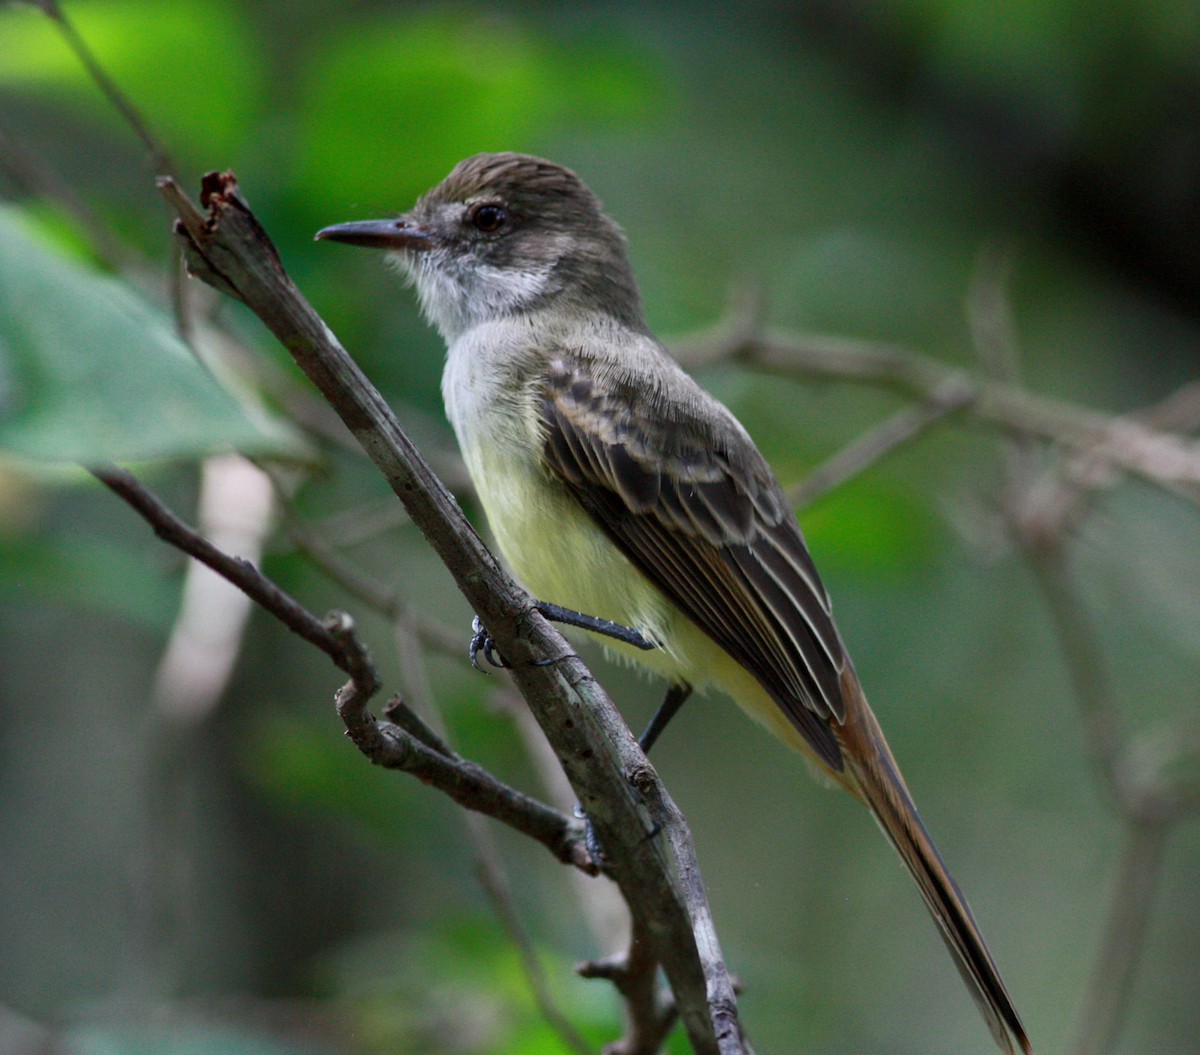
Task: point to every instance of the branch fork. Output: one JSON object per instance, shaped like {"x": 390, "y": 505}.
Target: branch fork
{"x": 659, "y": 877}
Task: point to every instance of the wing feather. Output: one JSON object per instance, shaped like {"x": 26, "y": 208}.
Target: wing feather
{"x": 692, "y": 503}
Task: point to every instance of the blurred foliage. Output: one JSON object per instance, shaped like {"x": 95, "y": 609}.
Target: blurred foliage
{"x": 165, "y": 56}
{"x": 469, "y": 82}
{"x": 849, "y": 162}
{"x": 460, "y": 987}
{"x": 93, "y": 374}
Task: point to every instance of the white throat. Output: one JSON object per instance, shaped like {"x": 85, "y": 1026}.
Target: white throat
{"x": 458, "y": 292}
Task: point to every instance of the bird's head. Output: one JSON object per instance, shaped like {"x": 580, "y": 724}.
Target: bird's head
{"x": 502, "y": 235}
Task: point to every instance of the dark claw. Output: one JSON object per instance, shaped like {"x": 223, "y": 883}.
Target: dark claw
{"x": 481, "y": 641}
{"x": 490, "y": 653}
{"x": 479, "y": 637}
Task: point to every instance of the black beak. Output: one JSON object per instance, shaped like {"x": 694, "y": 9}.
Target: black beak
{"x": 378, "y": 234}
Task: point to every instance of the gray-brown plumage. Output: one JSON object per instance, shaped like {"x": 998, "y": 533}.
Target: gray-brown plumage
{"x": 697, "y": 509}
{"x": 616, "y": 486}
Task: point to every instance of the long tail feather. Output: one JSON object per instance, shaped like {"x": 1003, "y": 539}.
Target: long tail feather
{"x": 877, "y": 780}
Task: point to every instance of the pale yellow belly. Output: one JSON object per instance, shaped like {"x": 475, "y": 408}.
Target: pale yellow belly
{"x": 559, "y": 554}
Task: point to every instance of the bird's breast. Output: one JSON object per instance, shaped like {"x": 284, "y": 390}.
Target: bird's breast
{"x": 552, "y": 545}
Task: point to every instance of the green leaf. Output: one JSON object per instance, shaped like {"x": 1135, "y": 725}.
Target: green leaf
{"x": 89, "y": 372}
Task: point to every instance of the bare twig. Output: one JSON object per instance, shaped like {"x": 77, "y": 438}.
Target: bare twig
{"x": 397, "y": 711}
{"x": 1041, "y": 508}
{"x": 601, "y": 904}
{"x": 990, "y": 317}
{"x": 160, "y": 158}
{"x": 33, "y": 174}
{"x": 1087, "y": 667}
{"x": 651, "y": 1013}
{"x": 119, "y": 101}
{"x": 495, "y": 883}
{"x": 358, "y": 583}
{"x": 393, "y": 747}
{"x": 1107, "y": 995}
{"x": 241, "y": 573}
{"x": 658, "y": 876}
{"x": 1170, "y": 461}
{"x": 410, "y": 748}
{"x": 348, "y": 527}
{"x": 872, "y": 447}
{"x": 489, "y": 863}
{"x": 1178, "y": 410}
{"x": 1147, "y": 807}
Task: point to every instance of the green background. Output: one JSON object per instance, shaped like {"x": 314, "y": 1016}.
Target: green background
{"x": 849, "y": 164}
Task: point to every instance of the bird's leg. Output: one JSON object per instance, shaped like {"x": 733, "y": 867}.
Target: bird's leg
{"x": 481, "y": 640}
{"x": 677, "y": 693}
{"x": 617, "y": 631}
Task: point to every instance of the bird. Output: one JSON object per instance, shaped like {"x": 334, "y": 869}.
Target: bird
{"x": 616, "y": 486}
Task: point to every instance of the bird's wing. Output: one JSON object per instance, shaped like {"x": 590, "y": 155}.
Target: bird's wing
{"x": 691, "y": 502}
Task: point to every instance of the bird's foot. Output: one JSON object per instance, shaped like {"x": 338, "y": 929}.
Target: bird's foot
{"x": 482, "y": 641}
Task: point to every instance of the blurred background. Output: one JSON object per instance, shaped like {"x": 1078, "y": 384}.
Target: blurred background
{"x": 193, "y": 859}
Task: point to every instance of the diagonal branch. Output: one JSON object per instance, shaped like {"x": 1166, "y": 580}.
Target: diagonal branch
{"x": 404, "y": 742}
{"x": 244, "y": 575}
{"x": 1164, "y": 458}
{"x": 108, "y": 87}
{"x": 901, "y": 428}
{"x": 657, "y": 872}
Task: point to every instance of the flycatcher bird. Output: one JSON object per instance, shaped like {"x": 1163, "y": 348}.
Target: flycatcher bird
{"x": 618, "y": 487}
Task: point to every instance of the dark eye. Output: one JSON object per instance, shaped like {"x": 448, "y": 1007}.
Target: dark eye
{"x": 488, "y": 218}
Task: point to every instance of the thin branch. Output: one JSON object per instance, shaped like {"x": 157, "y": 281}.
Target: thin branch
{"x": 351, "y": 526}
{"x": 160, "y": 159}
{"x": 32, "y": 174}
{"x": 650, "y": 1012}
{"x": 358, "y": 583}
{"x": 1107, "y": 995}
{"x": 244, "y": 575}
{"x": 1041, "y": 508}
{"x": 1168, "y": 460}
{"x": 469, "y": 784}
{"x": 120, "y": 102}
{"x": 489, "y": 863}
{"x": 1086, "y": 663}
{"x": 410, "y": 748}
{"x": 669, "y": 822}
{"x": 990, "y": 316}
{"x": 1178, "y": 410}
{"x": 600, "y": 904}
{"x": 657, "y": 875}
{"x": 398, "y": 712}
{"x": 872, "y": 447}
{"x": 495, "y": 883}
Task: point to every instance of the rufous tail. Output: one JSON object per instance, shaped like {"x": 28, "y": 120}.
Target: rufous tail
{"x": 875, "y": 778}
